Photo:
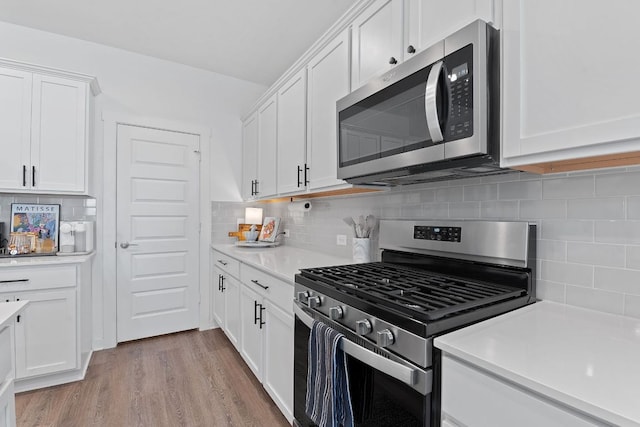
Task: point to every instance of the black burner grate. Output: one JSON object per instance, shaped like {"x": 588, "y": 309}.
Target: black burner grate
{"x": 419, "y": 293}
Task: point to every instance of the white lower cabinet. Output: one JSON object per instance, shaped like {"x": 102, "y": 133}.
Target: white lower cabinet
{"x": 232, "y": 310}
{"x": 473, "y": 398}
{"x": 278, "y": 356}
{"x": 51, "y": 340}
{"x": 7, "y": 400}
{"x": 251, "y": 313}
{"x": 45, "y": 335}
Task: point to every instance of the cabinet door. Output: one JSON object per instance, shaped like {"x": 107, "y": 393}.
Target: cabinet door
{"x": 232, "y": 326}
{"x": 267, "y": 146}
{"x": 58, "y": 135}
{"x": 292, "y": 126}
{"x": 328, "y": 74}
{"x": 218, "y": 287}
{"x": 7, "y": 405}
{"x": 376, "y": 40}
{"x": 569, "y": 90}
{"x": 15, "y": 128}
{"x": 251, "y": 347}
{"x": 278, "y": 358}
{"x": 46, "y": 339}
{"x": 429, "y": 21}
{"x": 249, "y": 155}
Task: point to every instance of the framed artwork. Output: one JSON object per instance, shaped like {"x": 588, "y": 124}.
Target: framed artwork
{"x": 269, "y": 229}
{"x": 41, "y": 223}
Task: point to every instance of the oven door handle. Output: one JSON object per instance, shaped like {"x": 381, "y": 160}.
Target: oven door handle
{"x": 400, "y": 372}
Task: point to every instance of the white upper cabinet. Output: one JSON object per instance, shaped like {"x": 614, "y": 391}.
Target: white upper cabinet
{"x": 267, "y": 147}
{"x": 429, "y": 21}
{"x": 376, "y": 40}
{"x": 328, "y": 74}
{"x": 249, "y": 156}
{"x": 44, "y": 130}
{"x": 569, "y": 83}
{"x": 15, "y": 127}
{"x": 292, "y": 117}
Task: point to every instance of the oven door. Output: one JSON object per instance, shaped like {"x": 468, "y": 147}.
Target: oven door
{"x": 385, "y": 390}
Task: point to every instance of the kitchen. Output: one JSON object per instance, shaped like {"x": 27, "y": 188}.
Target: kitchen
{"x": 587, "y": 253}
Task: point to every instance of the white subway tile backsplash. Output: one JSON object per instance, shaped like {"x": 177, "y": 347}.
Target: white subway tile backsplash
{"x": 617, "y": 280}
{"x": 571, "y": 274}
{"x": 499, "y": 209}
{"x": 520, "y": 190}
{"x": 552, "y": 250}
{"x": 449, "y": 194}
{"x": 588, "y": 225}
{"x": 596, "y": 254}
{"x": 464, "y": 210}
{"x": 632, "y": 305}
{"x": 618, "y": 184}
{"x": 480, "y": 192}
{"x": 581, "y": 231}
{"x": 604, "y": 208}
{"x": 633, "y": 207}
{"x": 543, "y": 209}
{"x": 550, "y": 291}
{"x": 633, "y": 257}
{"x": 568, "y": 188}
{"x": 609, "y": 302}
{"x": 620, "y": 232}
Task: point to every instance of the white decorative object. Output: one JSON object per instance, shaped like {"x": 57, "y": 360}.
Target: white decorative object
{"x": 361, "y": 250}
{"x": 253, "y": 216}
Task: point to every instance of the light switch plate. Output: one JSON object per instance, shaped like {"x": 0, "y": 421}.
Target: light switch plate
{"x": 341, "y": 239}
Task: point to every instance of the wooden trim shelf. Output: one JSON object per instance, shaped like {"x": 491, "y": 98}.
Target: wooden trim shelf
{"x": 595, "y": 162}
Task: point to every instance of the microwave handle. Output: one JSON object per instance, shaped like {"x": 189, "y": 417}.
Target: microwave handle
{"x": 400, "y": 372}
{"x": 430, "y": 104}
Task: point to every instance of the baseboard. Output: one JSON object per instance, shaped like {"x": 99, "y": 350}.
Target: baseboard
{"x": 27, "y": 384}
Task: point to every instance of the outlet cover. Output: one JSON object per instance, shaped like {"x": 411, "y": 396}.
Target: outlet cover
{"x": 286, "y": 233}
{"x": 341, "y": 239}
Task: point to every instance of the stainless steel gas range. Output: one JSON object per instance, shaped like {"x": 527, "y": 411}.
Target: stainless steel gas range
{"x": 434, "y": 277}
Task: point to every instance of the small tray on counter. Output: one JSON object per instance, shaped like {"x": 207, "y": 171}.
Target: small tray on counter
{"x": 258, "y": 244}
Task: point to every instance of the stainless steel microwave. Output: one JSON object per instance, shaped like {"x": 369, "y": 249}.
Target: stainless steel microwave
{"x": 433, "y": 117}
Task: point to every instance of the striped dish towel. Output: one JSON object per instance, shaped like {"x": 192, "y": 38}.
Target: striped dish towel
{"x": 328, "y": 401}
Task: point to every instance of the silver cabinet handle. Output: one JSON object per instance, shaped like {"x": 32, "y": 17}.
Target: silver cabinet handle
{"x": 396, "y": 370}
{"x": 222, "y": 262}
{"x": 430, "y": 105}
{"x": 125, "y": 245}
{"x": 259, "y": 284}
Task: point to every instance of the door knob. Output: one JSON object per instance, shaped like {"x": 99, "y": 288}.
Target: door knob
{"x": 125, "y": 245}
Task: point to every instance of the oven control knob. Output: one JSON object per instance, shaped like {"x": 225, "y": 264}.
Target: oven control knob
{"x": 336, "y": 313}
{"x": 385, "y": 338}
{"x": 303, "y": 296}
{"x": 363, "y": 327}
{"x": 314, "y": 302}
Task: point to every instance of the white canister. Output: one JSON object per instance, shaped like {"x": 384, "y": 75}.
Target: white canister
{"x": 361, "y": 250}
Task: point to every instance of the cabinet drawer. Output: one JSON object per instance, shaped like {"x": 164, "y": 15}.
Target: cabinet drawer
{"x": 6, "y": 353}
{"x": 37, "y": 277}
{"x": 226, "y": 263}
{"x": 277, "y": 291}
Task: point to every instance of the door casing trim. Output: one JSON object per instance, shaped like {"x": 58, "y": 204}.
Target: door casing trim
{"x": 104, "y": 293}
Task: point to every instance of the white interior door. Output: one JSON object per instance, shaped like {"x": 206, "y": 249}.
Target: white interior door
{"x": 158, "y": 226}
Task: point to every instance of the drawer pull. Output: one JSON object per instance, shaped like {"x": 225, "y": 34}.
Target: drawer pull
{"x": 222, "y": 262}
{"x": 14, "y": 281}
{"x": 260, "y": 284}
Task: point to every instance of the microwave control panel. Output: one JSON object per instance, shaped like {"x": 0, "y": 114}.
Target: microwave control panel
{"x": 443, "y": 234}
{"x": 460, "y": 80}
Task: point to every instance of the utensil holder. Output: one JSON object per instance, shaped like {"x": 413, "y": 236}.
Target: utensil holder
{"x": 361, "y": 250}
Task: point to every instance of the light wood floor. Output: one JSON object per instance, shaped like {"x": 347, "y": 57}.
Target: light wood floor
{"x": 185, "y": 379}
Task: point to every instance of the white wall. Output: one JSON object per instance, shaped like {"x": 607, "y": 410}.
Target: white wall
{"x": 143, "y": 86}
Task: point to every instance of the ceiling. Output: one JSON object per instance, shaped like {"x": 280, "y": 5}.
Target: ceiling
{"x": 254, "y": 40}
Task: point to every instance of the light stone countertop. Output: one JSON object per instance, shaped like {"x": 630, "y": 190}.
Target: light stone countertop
{"x": 280, "y": 261}
{"x": 8, "y": 310}
{"x": 30, "y": 261}
{"x": 585, "y": 359}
